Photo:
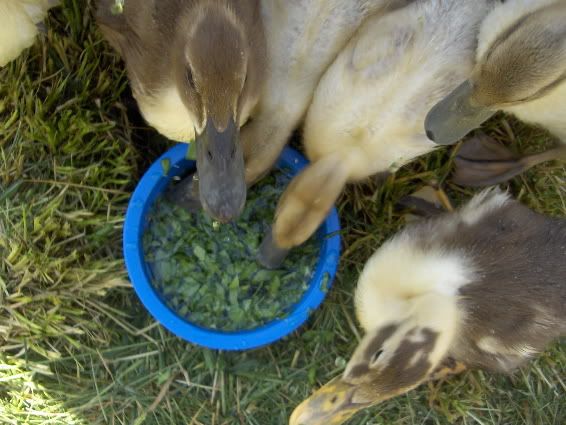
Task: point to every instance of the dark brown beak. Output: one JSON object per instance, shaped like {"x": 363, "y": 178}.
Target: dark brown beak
{"x": 220, "y": 166}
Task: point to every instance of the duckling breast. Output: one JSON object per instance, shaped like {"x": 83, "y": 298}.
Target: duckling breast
{"x": 166, "y": 112}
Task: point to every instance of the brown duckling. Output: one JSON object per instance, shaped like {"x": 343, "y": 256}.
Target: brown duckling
{"x": 196, "y": 68}
{"x": 483, "y": 287}
{"x": 520, "y": 69}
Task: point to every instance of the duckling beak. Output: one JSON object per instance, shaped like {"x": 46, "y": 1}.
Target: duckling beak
{"x": 220, "y": 166}
{"x": 333, "y": 404}
{"x": 454, "y": 117}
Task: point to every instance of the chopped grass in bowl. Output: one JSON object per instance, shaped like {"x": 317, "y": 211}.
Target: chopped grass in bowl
{"x": 208, "y": 273}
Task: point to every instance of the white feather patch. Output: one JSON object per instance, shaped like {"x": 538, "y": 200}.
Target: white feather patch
{"x": 494, "y": 346}
{"x": 483, "y": 204}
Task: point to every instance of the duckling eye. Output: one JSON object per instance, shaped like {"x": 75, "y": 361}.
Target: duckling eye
{"x": 376, "y": 356}
{"x": 190, "y": 79}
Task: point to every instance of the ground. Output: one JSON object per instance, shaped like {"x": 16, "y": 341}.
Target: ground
{"x": 76, "y": 346}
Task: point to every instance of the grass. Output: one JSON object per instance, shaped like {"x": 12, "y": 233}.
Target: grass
{"x": 76, "y": 345}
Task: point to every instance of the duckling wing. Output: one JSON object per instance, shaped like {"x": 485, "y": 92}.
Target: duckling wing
{"x": 122, "y": 29}
{"x": 143, "y": 33}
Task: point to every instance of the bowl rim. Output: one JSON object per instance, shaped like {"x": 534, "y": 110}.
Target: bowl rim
{"x": 149, "y": 187}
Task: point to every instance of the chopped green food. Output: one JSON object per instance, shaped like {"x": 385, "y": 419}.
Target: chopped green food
{"x": 166, "y": 166}
{"x": 192, "y": 151}
{"x": 118, "y": 7}
{"x": 208, "y": 272}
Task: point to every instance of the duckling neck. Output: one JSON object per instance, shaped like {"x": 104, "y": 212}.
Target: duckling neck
{"x": 417, "y": 286}
{"x": 401, "y": 273}
{"x": 439, "y": 315}
{"x": 202, "y": 11}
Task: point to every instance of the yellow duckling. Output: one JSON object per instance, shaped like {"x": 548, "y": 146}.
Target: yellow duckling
{"x": 20, "y": 22}
{"x": 303, "y": 39}
{"x": 520, "y": 69}
{"x": 197, "y": 69}
{"x": 367, "y": 114}
{"x": 482, "y": 287}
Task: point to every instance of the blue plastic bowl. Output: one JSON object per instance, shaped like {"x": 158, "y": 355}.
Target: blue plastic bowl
{"x": 149, "y": 188}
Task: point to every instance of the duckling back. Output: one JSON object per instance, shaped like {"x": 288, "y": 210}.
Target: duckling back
{"x": 371, "y": 103}
{"x": 303, "y": 37}
{"x": 18, "y": 25}
{"x": 515, "y": 301}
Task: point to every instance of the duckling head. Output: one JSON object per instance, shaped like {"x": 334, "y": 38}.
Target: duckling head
{"x": 217, "y": 74}
{"x": 407, "y": 302}
{"x": 389, "y": 361}
{"x": 521, "y": 57}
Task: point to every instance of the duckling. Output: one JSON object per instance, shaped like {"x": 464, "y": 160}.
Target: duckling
{"x": 520, "y": 69}
{"x": 482, "y": 287}
{"x": 303, "y": 38}
{"x": 197, "y": 69}
{"x": 368, "y": 110}
{"x": 20, "y": 22}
